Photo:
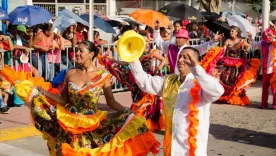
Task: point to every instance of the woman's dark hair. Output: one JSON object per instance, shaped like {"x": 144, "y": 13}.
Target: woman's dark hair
{"x": 189, "y": 27}
{"x": 47, "y": 27}
{"x": 125, "y": 28}
{"x": 149, "y": 29}
{"x": 179, "y": 22}
{"x": 120, "y": 26}
{"x": 91, "y": 47}
{"x": 134, "y": 25}
{"x": 10, "y": 26}
{"x": 37, "y": 27}
{"x": 274, "y": 22}
{"x": 143, "y": 32}
{"x": 162, "y": 29}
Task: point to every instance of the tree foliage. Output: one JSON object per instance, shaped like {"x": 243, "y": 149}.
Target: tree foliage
{"x": 257, "y": 4}
{"x": 211, "y": 5}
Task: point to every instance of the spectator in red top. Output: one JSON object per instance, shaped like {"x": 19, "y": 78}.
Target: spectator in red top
{"x": 81, "y": 34}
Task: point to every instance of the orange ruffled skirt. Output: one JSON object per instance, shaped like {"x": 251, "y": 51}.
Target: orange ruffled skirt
{"x": 71, "y": 134}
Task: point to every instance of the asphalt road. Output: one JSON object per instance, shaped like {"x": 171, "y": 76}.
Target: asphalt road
{"x": 234, "y": 131}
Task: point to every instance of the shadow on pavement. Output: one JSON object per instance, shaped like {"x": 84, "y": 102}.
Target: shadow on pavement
{"x": 245, "y": 136}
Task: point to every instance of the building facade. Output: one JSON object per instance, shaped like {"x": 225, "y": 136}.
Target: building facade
{"x": 104, "y": 7}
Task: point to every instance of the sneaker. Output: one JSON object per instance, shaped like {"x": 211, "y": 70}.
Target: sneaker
{"x": 5, "y": 110}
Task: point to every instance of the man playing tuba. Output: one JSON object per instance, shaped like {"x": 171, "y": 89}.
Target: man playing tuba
{"x": 186, "y": 97}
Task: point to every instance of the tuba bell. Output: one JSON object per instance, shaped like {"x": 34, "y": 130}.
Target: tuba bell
{"x": 130, "y": 46}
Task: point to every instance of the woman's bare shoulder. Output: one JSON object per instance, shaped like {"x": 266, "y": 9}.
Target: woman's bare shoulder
{"x": 71, "y": 72}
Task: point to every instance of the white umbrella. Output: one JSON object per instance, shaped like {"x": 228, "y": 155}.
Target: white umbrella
{"x": 67, "y": 18}
{"x": 243, "y": 24}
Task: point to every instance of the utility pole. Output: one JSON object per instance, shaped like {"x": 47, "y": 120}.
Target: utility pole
{"x": 91, "y": 19}
{"x": 156, "y": 5}
{"x": 232, "y": 5}
{"x": 29, "y": 2}
{"x": 192, "y": 3}
{"x": 188, "y": 2}
{"x": 4, "y": 7}
{"x": 265, "y": 13}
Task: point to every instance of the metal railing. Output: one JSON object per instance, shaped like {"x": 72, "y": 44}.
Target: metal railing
{"x": 64, "y": 61}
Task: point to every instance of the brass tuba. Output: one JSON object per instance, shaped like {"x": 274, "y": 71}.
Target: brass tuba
{"x": 130, "y": 46}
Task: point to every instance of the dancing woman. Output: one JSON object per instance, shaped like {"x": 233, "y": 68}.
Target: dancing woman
{"x": 71, "y": 122}
{"x": 152, "y": 105}
{"x": 229, "y": 65}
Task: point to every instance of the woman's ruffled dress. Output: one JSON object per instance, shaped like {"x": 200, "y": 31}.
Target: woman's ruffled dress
{"x": 231, "y": 67}
{"x": 79, "y": 128}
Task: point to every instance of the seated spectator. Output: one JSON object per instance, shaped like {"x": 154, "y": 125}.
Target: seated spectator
{"x": 5, "y": 90}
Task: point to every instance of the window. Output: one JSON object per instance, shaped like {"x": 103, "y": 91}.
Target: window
{"x": 46, "y": 1}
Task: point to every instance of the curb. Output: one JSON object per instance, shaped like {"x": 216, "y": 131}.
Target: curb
{"x": 18, "y": 133}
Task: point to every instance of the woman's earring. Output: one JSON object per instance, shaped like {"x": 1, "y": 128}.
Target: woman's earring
{"x": 91, "y": 61}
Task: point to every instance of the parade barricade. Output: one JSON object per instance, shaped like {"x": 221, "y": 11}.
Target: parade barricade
{"x": 67, "y": 61}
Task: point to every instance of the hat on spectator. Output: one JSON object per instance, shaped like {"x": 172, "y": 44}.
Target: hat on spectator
{"x": 185, "y": 23}
{"x": 182, "y": 33}
{"x": 22, "y": 28}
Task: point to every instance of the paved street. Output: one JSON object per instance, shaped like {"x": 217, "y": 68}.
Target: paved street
{"x": 234, "y": 131}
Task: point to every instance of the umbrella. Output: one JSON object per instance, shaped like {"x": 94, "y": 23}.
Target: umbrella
{"x": 148, "y": 17}
{"x": 113, "y": 23}
{"x": 99, "y": 23}
{"x": 182, "y": 11}
{"x": 243, "y": 24}
{"x": 3, "y": 15}
{"x": 210, "y": 15}
{"x": 66, "y": 18}
{"x": 29, "y": 15}
{"x": 221, "y": 27}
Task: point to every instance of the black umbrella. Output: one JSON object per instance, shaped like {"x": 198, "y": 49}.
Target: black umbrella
{"x": 113, "y": 23}
{"x": 217, "y": 26}
{"x": 182, "y": 11}
{"x": 210, "y": 15}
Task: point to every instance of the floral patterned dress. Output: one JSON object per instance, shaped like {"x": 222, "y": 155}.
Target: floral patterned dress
{"x": 230, "y": 66}
{"x": 154, "y": 112}
{"x": 79, "y": 128}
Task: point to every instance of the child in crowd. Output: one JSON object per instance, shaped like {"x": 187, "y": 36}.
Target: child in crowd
{"x": 5, "y": 90}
